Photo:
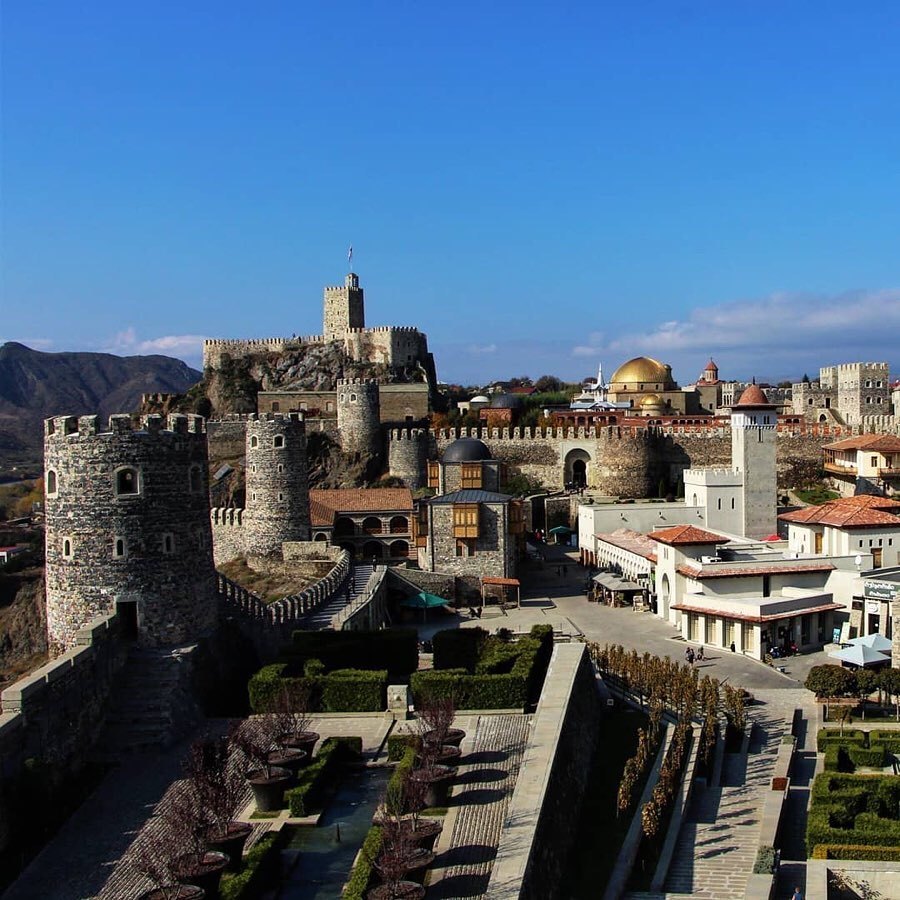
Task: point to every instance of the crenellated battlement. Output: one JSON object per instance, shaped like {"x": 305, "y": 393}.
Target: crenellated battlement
{"x": 62, "y": 427}
{"x": 284, "y": 417}
{"x": 347, "y": 382}
{"x": 226, "y": 516}
{"x": 408, "y": 434}
{"x": 385, "y": 329}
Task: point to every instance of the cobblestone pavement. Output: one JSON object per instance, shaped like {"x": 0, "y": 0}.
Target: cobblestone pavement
{"x": 93, "y": 855}
{"x": 481, "y": 794}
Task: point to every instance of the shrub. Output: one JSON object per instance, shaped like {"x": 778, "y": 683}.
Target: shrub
{"x": 766, "y": 861}
{"x": 872, "y": 757}
{"x": 829, "y": 736}
{"x": 403, "y": 768}
{"x": 343, "y": 690}
{"x": 458, "y": 648}
{"x": 260, "y": 870}
{"x": 315, "y": 778}
{"x": 394, "y": 649}
{"x": 361, "y": 873}
{"x": 856, "y": 851}
{"x": 397, "y": 744}
{"x": 472, "y": 691}
{"x": 890, "y": 740}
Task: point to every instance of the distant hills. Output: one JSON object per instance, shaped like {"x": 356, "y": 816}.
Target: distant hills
{"x": 34, "y": 385}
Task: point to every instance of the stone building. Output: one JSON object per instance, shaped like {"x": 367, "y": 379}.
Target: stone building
{"x": 128, "y": 527}
{"x": 277, "y": 494}
{"x": 408, "y": 456}
{"x": 846, "y": 394}
{"x": 466, "y": 464}
{"x": 865, "y": 464}
{"x": 369, "y": 523}
{"x": 647, "y": 385}
{"x": 358, "y": 416}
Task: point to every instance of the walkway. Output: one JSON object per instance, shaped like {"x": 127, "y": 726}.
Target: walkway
{"x": 481, "y": 794}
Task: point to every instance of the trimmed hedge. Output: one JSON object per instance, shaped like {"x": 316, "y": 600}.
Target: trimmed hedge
{"x": 890, "y": 740}
{"x": 471, "y": 691}
{"x": 766, "y": 861}
{"x": 361, "y": 873}
{"x": 829, "y": 736}
{"x": 393, "y": 649}
{"x": 397, "y": 745}
{"x": 458, "y": 648}
{"x": 404, "y": 767}
{"x": 854, "y": 809}
{"x": 343, "y": 690}
{"x": 260, "y": 870}
{"x": 856, "y": 851}
{"x": 313, "y": 781}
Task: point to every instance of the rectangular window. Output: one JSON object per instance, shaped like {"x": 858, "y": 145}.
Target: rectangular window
{"x": 465, "y": 520}
{"x": 470, "y": 476}
{"x": 434, "y": 474}
{"x": 465, "y": 548}
{"x": 874, "y": 462}
{"x": 516, "y": 517}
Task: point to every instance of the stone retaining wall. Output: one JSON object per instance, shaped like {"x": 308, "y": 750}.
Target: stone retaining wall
{"x": 542, "y": 818}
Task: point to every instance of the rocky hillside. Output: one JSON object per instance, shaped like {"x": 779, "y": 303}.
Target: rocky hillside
{"x": 34, "y": 385}
{"x": 23, "y": 623}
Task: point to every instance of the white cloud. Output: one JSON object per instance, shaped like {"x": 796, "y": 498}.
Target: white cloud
{"x": 181, "y": 345}
{"x": 482, "y": 349}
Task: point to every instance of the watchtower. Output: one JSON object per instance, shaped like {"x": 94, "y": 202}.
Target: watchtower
{"x": 408, "y": 456}
{"x": 344, "y": 309}
{"x": 277, "y": 483}
{"x": 753, "y": 439}
{"x": 127, "y": 527}
{"x": 359, "y": 415}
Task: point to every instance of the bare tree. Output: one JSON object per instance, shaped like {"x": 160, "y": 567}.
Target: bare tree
{"x": 254, "y": 738}
{"x": 436, "y": 714}
{"x": 215, "y": 781}
{"x": 292, "y": 711}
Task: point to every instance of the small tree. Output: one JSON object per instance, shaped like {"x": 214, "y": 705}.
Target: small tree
{"x": 889, "y": 680}
{"x": 292, "y": 711}
{"x": 392, "y": 862}
{"x": 866, "y": 682}
{"x": 831, "y": 681}
{"x": 153, "y": 856}
{"x": 254, "y": 738}
{"x": 844, "y": 715}
{"x": 215, "y": 781}
{"x": 436, "y": 714}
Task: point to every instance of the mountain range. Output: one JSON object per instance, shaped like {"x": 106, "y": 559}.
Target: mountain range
{"x": 35, "y": 385}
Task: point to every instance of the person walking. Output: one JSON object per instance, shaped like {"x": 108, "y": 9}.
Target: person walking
{"x": 700, "y": 654}
{"x": 732, "y": 646}
{"x": 797, "y": 895}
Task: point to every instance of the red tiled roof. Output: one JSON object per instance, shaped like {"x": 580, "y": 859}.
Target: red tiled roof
{"x": 863, "y": 511}
{"x": 686, "y": 534}
{"x": 747, "y": 569}
{"x": 728, "y": 614}
{"x": 885, "y": 443}
{"x": 710, "y": 366}
{"x": 753, "y": 396}
{"x": 324, "y": 505}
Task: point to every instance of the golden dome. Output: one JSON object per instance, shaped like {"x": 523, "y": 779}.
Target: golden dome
{"x": 651, "y": 400}
{"x": 642, "y": 370}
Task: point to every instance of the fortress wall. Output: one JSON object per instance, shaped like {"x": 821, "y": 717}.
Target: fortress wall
{"x": 228, "y": 536}
{"x": 227, "y": 438}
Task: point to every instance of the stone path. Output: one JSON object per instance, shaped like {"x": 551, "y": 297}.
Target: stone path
{"x": 481, "y": 794}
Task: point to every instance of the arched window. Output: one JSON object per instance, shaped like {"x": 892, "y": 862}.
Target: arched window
{"x": 254, "y": 441}
{"x": 353, "y": 398}
{"x": 399, "y": 525}
{"x": 119, "y": 548}
{"x": 694, "y": 500}
{"x": 279, "y": 468}
{"x": 278, "y": 441}
{"x": 51, "y": 482}
{"x": 280, "y": 496}
{"x": 372, "y": 525}
{"x": 128, "y": 482}
{"x": 168, "y": 543}
{"x": 719, "y": 503}
{"x": 67, "y": 548}
{"x": 196, "y": 480}
{"x": 732, "y": 502}
{"x": 372, "y": 550}
{"x": 320, "y": 536}
{"x": 276, "y": 406}
{"x": 344, "y": 525}
{"x": 399, "y": 549}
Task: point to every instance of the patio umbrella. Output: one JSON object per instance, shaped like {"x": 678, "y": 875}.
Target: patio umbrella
{"x": 874, "y": 641}
{"x": 860, "y": 655}
{"x": 423, "y": 600}
{"x": 561, "y": 529}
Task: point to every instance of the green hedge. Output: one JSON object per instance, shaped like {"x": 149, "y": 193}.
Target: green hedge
{"x": 856, "y": 851}
{"x": 458, "y": 648}
{"x": 829, "y": 736}
{"x": 260, "y": 870}
{"x": 314, "y": 780}
{"x": 890, "y": 740}
{"x": 403, "y": 768}
{"x": 397, "y": 745}
{"x": 854, "y": 809}
{"x": 766, "y": 861}
{"x": 472, "y": 691}
{"x": 394, "y": 649}
{"x": 343, "y": 690}
{"x": 361, "y": 873}
{"x": 871, "y": 757}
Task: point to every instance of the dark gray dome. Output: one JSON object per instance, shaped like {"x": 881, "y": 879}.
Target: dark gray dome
{"x": 466, "y": 450}
{"x": 507, "y": 401}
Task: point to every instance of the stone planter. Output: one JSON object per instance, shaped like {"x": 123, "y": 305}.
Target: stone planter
{"x": 303, "y": 740}
{"x": 289, "y": 758}
{"x": 201, "y": 869}
{"x": 175, "y": 892}
{"x": 453, "y": 738}
{"x": 449, "y": 755}
{"x": 419, "y": 860}
{"x": 403, "y": 890}
{"x": 438, "y": 779}
{"x": 231, "y": 842}
{"x": 425, "y": 835}
{"x": 268, "y": 791}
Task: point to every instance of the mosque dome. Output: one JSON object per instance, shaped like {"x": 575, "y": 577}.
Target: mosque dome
{"x": 651, "y": 400}
{"x": 642, "y": 370}
{"x": 480, "y": 399}
{"x": 466, "y": 450}
{"x": 753, "y": 396}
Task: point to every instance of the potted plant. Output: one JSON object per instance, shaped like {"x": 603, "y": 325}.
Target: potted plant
{"x": 254, "y": 738}
{"x": 194, "y": 863}
{"x": 294, "y": 721}
{"x": 213, "y": 776}
{"x": 436, "y": 714}
{"x": 403, "y": 805}
{"x": 392, "y": 864}
{"x": 153, "y": 857}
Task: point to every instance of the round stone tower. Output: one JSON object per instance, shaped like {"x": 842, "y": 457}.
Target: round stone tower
{"x": 407, "y": 456}
{"x": 127, "y": 528}
{"x": 359, "y": 415}
{"x": 277, "y": 504}
{"x": 626, "y": 464}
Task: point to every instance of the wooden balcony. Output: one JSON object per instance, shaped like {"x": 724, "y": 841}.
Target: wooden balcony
{"x": 838, "y": 469}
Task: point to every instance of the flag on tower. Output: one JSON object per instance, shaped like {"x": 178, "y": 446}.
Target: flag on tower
{"x": 350, "y": 255}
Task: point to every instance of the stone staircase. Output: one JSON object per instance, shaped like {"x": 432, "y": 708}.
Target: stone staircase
{"x": 320, "y": 619}
{"x": 152, "y": 703}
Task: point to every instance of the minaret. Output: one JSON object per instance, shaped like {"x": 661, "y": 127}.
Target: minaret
{"x": 753, "y": 436}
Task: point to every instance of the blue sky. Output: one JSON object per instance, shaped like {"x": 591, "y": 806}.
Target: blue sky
{"x": 537, "y": 186}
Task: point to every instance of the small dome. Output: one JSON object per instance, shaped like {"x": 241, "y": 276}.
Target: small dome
{"x": 642, "y": 370}
{"x": 480, "y": 399}
{"x": 506, "y": 401}
{"x": 466, "y": 450}
{"x": 651, "y": 400}
{"x": 753, "y": 396}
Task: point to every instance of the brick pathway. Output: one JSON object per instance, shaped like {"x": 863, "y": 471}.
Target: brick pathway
{"x": 481, "y": 793}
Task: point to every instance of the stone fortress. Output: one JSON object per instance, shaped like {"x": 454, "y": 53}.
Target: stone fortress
{"x": 848, "y": 394}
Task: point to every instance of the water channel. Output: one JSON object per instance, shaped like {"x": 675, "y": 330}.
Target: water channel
{"x": 318, "y": 860}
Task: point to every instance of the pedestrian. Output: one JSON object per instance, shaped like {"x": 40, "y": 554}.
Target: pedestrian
{"x": 732, "y": 646}
{"x": 700, "y": 654}
{"x": 687, "y": 655}
{"x": 690, "y": 656}
{"x": 797, "y": 895}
